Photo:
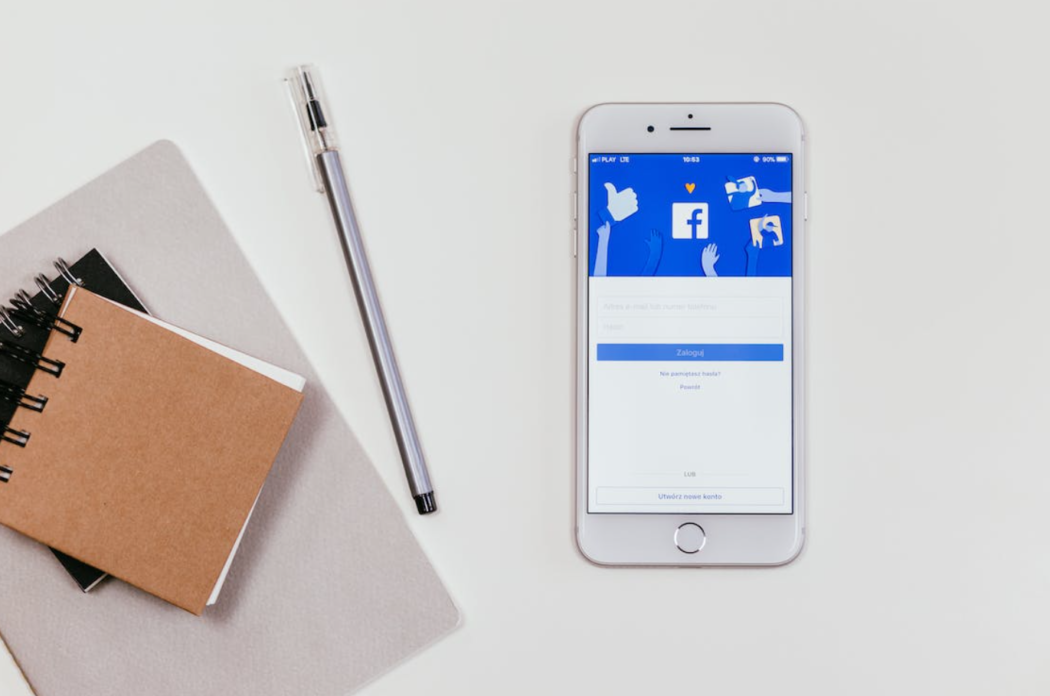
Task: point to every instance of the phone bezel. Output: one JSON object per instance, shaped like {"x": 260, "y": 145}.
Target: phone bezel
{"x": 648, "y": 539}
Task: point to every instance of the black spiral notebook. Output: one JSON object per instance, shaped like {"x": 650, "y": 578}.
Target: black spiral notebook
{"x": 26, "y": 324}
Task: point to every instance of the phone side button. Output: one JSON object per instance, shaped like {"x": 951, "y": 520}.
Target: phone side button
{"x": 805, "y": 205}
{"x": 575, "y": 240}
{"x": 690, "y": 537}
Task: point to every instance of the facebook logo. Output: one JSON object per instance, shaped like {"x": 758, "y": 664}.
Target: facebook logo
{"x": 689, "y": 220}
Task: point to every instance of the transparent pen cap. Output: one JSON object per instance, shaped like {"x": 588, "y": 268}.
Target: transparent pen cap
{"x": 311, "y": 111}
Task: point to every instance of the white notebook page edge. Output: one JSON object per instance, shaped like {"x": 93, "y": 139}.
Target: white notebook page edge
{"x": 233, "y": 552}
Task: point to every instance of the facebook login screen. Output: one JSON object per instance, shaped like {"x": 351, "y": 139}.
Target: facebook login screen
{"x": 689, "y": 391}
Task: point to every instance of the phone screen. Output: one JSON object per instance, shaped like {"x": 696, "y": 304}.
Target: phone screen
{"x": 690, "y": 333}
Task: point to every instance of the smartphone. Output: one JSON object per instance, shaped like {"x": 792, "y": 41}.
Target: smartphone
{"x": 690, "y": 232}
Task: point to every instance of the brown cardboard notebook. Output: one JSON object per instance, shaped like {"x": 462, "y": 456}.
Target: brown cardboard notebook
{"x": 151, "y": 452}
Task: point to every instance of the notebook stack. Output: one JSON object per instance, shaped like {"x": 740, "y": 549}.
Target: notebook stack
{"x": 135, "y": 447}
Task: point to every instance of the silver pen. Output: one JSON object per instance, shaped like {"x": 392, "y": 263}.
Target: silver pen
{"x": 321, "y": 147}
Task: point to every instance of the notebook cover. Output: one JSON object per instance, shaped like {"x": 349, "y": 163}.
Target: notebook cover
{"x": 149, "y": 454}
{"x": 98, "y": 276}
{"x": 329, "y": 588}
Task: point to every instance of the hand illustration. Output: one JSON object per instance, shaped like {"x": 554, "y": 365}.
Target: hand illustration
{"x": 601, "y": 256}
{"x": 708, "y": 258}
{"x": 656, "y": 250}
{"x": 622, "y": 204}
{"x": 769, "y": 196}
{"x": 655, "y": 242}
{"x": 753, "y": 251}
{"x": 603, "y": 233}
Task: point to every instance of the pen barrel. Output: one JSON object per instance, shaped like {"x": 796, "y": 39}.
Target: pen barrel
{"x": 375, "y": 326}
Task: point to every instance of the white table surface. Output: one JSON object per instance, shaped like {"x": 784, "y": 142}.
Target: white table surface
{"x": 927, "y": 565}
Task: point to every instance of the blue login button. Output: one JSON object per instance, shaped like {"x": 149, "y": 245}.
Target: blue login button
{"x": 726, "y": 352}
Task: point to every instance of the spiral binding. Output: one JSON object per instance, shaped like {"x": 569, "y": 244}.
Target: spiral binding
{"x": 32, "y": 358}
{"x": 23, "y": 310}
{"x": 8, "y": 322}
{"x": 18, "y": 437}
{"x": 14, "y": 318}
{"x": 66, "y": 272}
{"x": 17, "y": 395}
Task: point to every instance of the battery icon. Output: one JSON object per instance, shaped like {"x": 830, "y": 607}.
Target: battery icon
{"x": 782, "y": 158}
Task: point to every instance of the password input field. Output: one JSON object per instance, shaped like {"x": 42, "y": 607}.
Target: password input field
{"x": 691, "y": 328}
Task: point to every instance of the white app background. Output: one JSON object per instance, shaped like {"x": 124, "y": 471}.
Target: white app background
{"x": 690, "y": 435}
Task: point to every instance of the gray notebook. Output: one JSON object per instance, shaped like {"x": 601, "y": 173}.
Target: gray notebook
{"x": 329, "y": 588}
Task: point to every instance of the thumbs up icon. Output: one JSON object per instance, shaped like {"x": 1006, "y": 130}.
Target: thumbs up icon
{"x": 622, "y": 204}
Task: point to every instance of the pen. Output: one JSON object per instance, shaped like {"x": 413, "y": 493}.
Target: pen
{"x": 322, "y": 149}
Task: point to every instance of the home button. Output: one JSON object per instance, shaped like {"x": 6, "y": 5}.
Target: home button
{"x": 689, "y": 537}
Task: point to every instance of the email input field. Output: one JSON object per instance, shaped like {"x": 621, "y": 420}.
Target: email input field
{"x": 679, "y": 306}
{"x": 690, "y": 318}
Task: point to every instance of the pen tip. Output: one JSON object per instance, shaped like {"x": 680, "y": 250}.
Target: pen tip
{"x": 425, "y": 503}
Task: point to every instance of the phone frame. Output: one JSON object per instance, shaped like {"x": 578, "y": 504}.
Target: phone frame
{"x": 731, "y": 539}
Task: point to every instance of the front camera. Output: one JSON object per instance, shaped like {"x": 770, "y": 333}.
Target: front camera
{"x": 650, "y": 129}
